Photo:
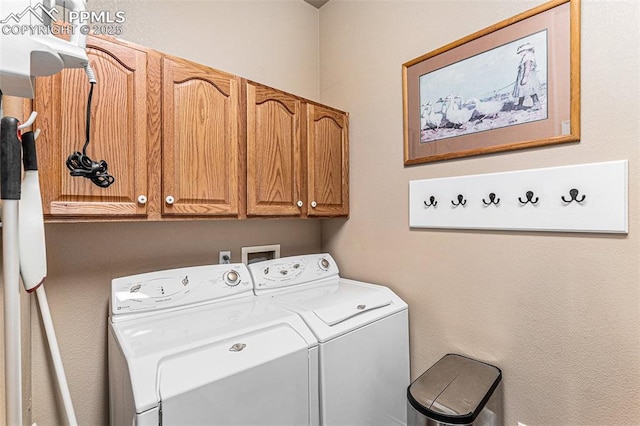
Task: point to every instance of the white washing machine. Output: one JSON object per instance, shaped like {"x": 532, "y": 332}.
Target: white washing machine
{"x": 363, "y": 336}
{"x": 194, "y": 346}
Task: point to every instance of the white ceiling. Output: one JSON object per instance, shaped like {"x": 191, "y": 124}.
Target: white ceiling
{"x": 317, "y": 3}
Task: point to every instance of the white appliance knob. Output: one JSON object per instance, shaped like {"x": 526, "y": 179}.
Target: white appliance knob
{"x": 169, "y": 199}
{"x": 142, "y": 199}
{"x": 232, "y": 278}
{"x": 324, "y": 264}
{"x": 314, "y": 204}
{"x": 299, "y": 203}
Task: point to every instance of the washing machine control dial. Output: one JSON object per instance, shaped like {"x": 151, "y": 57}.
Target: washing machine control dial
{"x": 232, "y": 278}
{"x": 324, "y": 264}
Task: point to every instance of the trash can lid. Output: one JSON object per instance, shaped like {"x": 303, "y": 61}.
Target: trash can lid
{"x": 454, "y": 390}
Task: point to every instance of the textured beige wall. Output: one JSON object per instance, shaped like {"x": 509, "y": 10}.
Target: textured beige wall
{"x": 273, "y": 42}
{"x": 558, "y": 313}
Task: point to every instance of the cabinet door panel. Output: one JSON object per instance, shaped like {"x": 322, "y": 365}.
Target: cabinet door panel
{"x": 118, "y": 132}
{"x": 327, "y": 158}
{"x": 273, "y": 152}
{"x": 200, "y": 140}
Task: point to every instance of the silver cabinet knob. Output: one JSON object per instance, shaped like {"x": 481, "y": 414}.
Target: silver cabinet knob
{"x": 142, "y": 199}
{"x": 299, "y": 203}
{"x": 314, "y": 204}
{"x": 169, "y": 200}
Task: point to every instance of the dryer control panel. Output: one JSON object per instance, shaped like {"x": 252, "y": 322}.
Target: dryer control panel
{"x": 178, "y": 287}
{"x": 292, "y": 271}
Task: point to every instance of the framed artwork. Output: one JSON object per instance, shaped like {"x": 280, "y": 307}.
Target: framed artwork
{"x": 510, "y": 86}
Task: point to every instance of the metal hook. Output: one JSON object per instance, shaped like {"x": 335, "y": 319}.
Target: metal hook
{"x": 529, "y": 195}
{"x": 492, "y": 200}
{"x": 574, "y": 196}
{"x": 461, "y": 201}
{"x": 432, "y": 202}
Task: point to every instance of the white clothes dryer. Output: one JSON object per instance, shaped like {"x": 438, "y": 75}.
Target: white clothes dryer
{"x": 194, "y": 346}
{"x": 363, "y": 336}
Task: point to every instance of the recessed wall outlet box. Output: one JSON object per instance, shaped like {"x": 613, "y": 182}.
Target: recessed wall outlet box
{"x": 224, "y": 257}
{"x": 260, "y": 253}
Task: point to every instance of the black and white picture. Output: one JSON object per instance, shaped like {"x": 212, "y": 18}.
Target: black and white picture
{"x": 502, "y": 87}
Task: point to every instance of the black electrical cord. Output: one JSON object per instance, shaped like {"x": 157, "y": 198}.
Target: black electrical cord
{"x": 81, "y": 165}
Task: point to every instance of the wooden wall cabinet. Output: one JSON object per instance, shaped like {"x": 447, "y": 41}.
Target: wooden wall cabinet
{"x": 121, "y": 139}
{"x": 297, "y": 156}
{"x": 185, "y": 141}
{"x": 327, "y": 161}
{"x": 274, "y": 157}
{"x": 200, "y": 140}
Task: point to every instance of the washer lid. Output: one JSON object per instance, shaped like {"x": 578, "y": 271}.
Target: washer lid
{"x": 333, "y": 313}
{"x": 148, "y": 341}
{"x": 335, "y": 307}
{"x": 209, "y": 364}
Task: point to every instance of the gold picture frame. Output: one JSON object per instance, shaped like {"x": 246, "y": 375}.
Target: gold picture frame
{"x": 513, "y": 85}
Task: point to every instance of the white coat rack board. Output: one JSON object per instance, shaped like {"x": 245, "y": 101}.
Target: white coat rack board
{"x": 577, "y": 198}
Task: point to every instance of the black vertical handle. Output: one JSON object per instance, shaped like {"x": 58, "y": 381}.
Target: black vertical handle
{"x": 29, "y": 155}
{"x": 10, "y": 167}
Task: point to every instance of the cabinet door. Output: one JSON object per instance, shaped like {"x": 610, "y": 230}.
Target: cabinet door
{"x": 201, "y": 143}
{"x": 327, "y": 161}
{"x": 118, "y": 133}
{"x": 273, "y": 152}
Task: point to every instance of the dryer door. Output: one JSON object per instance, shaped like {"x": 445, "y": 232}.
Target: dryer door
{"x": 261, "y": 377}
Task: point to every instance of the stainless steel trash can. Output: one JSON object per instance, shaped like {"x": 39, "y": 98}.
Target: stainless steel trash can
{"x": 456, "y": 390}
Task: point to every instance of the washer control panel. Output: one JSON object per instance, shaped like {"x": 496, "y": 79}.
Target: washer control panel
{"x": 290, "y": 271}
{"x": 178, "y": 287}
